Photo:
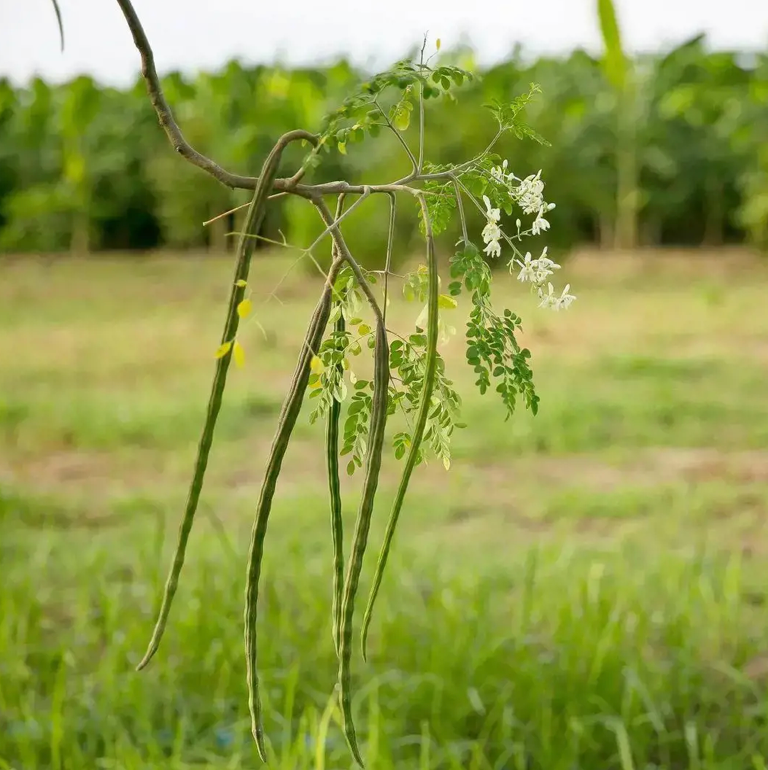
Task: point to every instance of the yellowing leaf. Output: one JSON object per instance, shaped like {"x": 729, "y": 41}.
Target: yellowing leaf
{"x": 239, "y": 354}
{"x": 316, "y": 365}
{"x": 223, "y": 349}
{"x": 343, "y": 148}
{"x": 244, "y": 308}
{"x": 447, "y": 302}
{"x": 363, "y": 329}
{"x": 241, "y": 283}
{"x": 437, "y": 44}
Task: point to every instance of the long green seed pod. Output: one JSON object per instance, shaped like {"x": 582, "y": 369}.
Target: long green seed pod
{"x": 288, "y": 416}
{"x": 419, "y": 427}
{"x": 373, "y": 467}
{"x": 245, "y": 248}
{"x": 334, "y": 486}
{"x": 362, "y": 527}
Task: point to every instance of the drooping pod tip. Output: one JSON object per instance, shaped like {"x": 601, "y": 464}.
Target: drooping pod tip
{"x": 258, "y": 737}
{"x": 148, "y": 655}
{"x": 353, "y": 747}
{"x": 364, "y": 644}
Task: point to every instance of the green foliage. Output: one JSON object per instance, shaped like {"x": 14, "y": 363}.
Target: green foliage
{"x": 441, "y": 204}
{"x": 327, "y": 381}
{"x": 364, "y": 109}
{"x": 700, "y": 167}
{"x": 507, "y": 115}
{"x": 408, "y": 360}
{"x": 492, "y": 348}
{"x": 356, "y": 425}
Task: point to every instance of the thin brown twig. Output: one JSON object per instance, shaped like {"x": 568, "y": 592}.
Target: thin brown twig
{"x": 239, "y": 208}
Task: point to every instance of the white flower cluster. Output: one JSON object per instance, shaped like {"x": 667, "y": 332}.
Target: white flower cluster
{"x": 527, "y": 193}
{"x": 537, "y": 271}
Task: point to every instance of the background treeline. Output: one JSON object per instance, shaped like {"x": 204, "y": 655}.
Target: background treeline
{"x": 680, "y": 158}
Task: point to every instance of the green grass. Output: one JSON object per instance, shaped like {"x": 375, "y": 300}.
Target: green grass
{"x": 583, "y": 590}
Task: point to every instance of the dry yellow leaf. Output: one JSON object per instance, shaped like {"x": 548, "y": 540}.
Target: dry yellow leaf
{"x": 244, "y": 308}
{"x": 239, "y": 354}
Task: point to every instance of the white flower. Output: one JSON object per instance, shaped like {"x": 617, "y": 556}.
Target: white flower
{"x": 492, "y": 215}
{"x": 535, "y": 270}
{"x": 491, "y": 231}
{"x": 565, "y": 299}
{"x": 551, "y": 300}
{"x": 539, "y": 224}
{"x": 499, "y": 173}
{"x": 529, "y": 194}
{"x": 544, "y": 268}
{"x": 527, "y": 269}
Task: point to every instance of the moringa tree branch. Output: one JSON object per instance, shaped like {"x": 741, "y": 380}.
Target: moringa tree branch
{"x": 238, "y": 181}
{"x": 169, "y": 124}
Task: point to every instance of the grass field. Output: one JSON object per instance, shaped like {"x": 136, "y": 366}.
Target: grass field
{"x": 583, "y": 590}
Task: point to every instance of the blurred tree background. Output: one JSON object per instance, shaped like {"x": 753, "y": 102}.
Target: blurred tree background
{"x": 680, "y": 158}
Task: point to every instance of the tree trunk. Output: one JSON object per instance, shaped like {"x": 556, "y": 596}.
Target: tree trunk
{"x": 627, "y": 193}
{"x": 714, "y": 213}
{"x": 605, "y": 230}
{"x": 652, "y": 232}
{"x": 80, "y": 242}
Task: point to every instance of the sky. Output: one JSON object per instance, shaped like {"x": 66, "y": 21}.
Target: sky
{"x": 204, "y": 34}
